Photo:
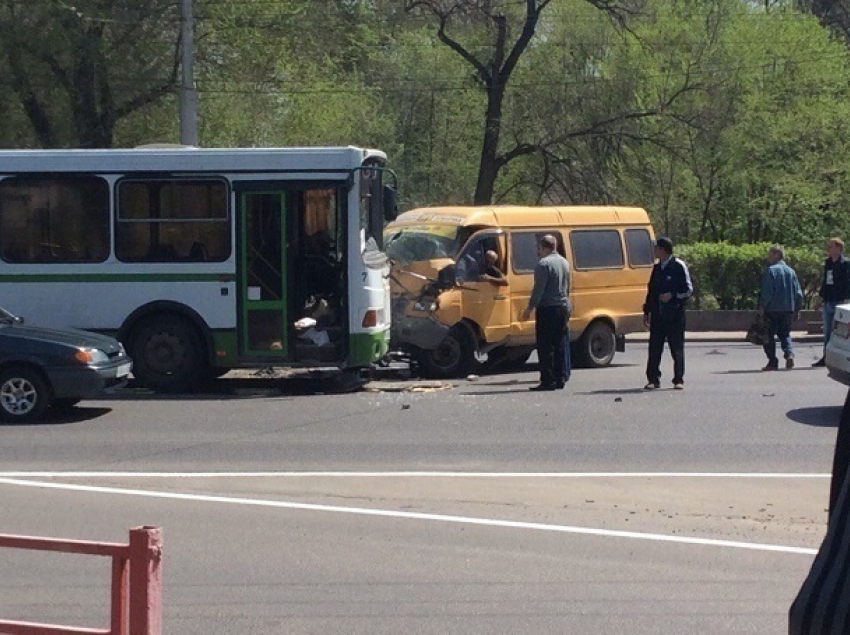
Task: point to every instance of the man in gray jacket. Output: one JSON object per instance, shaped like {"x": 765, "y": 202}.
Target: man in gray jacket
{"x": 781, "y": 299}
{"x": 550, "y": 300}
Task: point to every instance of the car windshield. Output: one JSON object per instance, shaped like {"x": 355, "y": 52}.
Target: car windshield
{"x": 421, "y": 242}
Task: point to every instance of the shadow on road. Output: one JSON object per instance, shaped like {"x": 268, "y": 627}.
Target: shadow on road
{"x": 486, "y": 393}
{"x": 759, "y": 371}
{"x": 240, "y": 388}
{"x": 615, "y": 391}
{"x": 61, "y": 417}
{"x": 821, "y": 416}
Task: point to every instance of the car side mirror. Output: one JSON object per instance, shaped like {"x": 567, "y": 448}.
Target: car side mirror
{"x": 447, "y": 278}
{"x": 390, "y": 204}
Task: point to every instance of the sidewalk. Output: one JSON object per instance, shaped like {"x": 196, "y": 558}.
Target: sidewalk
{"x": 731, "y": 337}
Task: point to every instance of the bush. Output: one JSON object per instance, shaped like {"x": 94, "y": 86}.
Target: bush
{"x": 728, "y": 276}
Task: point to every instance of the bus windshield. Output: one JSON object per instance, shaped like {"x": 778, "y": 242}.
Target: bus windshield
{"x": 421, "y": 242}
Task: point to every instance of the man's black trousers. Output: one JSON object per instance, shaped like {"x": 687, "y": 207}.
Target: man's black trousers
{"x": 551, "y": 333}
{"x": 669, "y": 328}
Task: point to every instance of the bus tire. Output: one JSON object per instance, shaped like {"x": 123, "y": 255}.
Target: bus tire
{"x": 167, "y": 354}
{"x": 24, "y": 394}
{"x": 597, "y": 345}
{"x": 452, "y": 358}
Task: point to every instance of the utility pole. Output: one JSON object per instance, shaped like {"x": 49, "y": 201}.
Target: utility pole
{"x": 188, "y": 95}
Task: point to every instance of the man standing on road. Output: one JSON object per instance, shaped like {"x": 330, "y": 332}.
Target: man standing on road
{"x": 550, "y": 300}
{"x": 834, "y": 288}
{"x": 664, "y": 314}
{"x": 781, "y": 299}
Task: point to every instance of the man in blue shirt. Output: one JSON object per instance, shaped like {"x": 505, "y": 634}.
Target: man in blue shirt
{"x": 550, "y": 302}
{"x": 781, "y": 299}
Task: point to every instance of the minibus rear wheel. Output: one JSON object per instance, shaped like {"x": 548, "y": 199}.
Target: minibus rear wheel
{"x": 453, "y": 357}
{"x": 598, "y": 345}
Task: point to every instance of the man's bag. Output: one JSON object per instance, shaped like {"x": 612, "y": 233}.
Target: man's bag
{"x": 758, "y": 333}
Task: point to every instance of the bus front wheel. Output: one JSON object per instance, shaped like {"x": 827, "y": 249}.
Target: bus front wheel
{"x": 167, "y": 354}
{"x": 598, "y": 345}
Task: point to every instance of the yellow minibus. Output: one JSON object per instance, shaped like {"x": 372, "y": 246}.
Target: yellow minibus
{"x": 448, "y": 318}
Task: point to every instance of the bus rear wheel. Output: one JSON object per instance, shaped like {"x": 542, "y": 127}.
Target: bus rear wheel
{"x": 167, "y": 354}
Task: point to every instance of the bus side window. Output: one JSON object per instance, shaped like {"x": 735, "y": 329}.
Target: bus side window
{"x": 197, "y": 252}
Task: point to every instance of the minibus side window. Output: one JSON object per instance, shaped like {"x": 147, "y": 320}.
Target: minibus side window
{"x": 639, "y": 248}
{"x": 597, "y": 249}
{"x": 524, "y": 248}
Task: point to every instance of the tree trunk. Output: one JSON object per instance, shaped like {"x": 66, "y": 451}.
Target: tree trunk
{"x": 488, "y": 169}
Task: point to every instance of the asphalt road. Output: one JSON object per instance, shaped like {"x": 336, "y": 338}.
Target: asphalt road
{"x": 483, "y": 508}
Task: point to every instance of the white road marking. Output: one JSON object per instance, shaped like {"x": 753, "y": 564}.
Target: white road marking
{"x": 177, "y": 475}
{"x": 465, "y": 520}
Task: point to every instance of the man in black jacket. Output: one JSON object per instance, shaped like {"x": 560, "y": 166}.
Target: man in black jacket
{"x": 834, "y": 288}
{"x": 664, "y": 313}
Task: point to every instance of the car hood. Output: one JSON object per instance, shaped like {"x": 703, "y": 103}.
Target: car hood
{"x": 71, "y": 337}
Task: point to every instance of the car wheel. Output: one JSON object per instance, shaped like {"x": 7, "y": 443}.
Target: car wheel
{"x": 452, "y": 358}
{"x": 24, "y": 395}
{"x": 598, "y": 345}
{"x": 167, "y": 354}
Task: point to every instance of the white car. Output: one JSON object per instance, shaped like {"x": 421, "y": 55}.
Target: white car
{"x": 838, "y": 349}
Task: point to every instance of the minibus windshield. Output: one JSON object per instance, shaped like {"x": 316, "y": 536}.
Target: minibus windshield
{"x": 415, "y": 243}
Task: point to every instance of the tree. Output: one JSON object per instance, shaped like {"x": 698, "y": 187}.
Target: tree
{"x": 79, "y": 69}
{"x": 497, "y": 35}
{"x": 494, "y": 72}
{"x": 833, "y": 14}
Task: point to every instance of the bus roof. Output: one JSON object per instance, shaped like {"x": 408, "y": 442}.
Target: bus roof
{"x": 525, "y": 216}
{"x": 185, "y": 159}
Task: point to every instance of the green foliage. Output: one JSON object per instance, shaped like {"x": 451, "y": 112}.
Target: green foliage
{"x": 728, "y": 276}
{"x": 728, "y": 120}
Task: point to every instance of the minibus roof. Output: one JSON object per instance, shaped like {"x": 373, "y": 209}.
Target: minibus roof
{"x": 525, "y": 216}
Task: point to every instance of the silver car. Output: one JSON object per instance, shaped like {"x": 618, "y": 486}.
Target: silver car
{"x": 838, "y": 348}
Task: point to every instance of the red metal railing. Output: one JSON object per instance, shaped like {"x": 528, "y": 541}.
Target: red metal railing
{"x": 141, "y": 557}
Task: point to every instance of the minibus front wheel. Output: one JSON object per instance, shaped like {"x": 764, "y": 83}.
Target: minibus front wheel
{"x": 453, "y": 357}
{"x": 598, "y": 345}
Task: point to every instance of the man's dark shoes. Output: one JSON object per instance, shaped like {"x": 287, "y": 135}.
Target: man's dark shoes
{"x": 771, "y": 367}
{"x": 820, "y": 363}
{"x": 543, "y": 388}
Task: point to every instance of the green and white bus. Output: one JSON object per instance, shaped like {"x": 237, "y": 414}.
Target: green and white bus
{"x": 202, "y": 260}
